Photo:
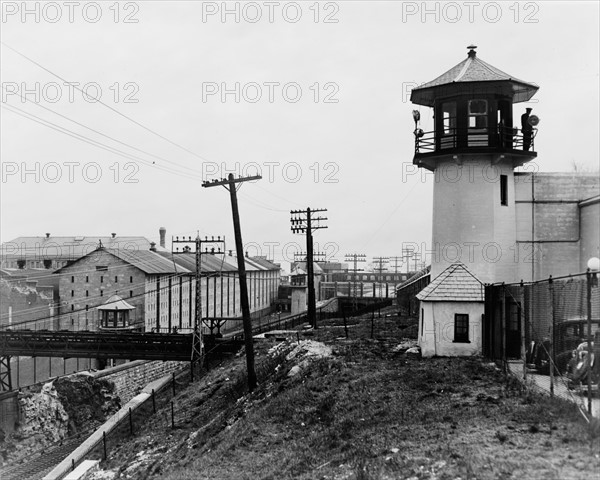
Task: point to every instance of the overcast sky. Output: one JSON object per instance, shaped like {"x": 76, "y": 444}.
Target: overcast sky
{"x": 322, "y": 109}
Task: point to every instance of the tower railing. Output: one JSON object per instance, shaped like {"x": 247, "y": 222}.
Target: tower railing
{"x": 496, "y": 138}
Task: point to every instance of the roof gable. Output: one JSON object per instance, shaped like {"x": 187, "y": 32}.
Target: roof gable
{"x": 145, "y": 260}
{"x": 455, "y": 284}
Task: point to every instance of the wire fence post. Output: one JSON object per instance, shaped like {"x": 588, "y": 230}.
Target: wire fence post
{"x": 503, "y": 318}
{"x": 551, "y": 352}
{"x": 522, "y": 326}
{"x": 172, "y": 415}
{"x": 104, "y": 444}
{"x": 588, "y": 357}
{"x": 153, "y": 401}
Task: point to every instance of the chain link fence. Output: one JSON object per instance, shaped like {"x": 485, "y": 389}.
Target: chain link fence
{"x": 548, "y": 332}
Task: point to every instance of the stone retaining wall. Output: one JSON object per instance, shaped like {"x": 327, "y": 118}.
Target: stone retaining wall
{"x": 130, "y": 378}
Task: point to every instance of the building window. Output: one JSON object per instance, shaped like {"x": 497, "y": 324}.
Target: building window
{"x": 72, "y": 293}
{"x": 72, "y": 279}
{"x": 461, "y": 327}
{"x": 87, "y": 307}
{"x": 101, "y": 279}
{"x": 131, "y": 279}
{"x": 72, "y": 307}
{"x": 478, "y": 114}
{"x": 87, "y": 279}
{"x": 130, "y": 293}
{"x": 87, "y": 293}
{"x": 116, "y": 279}
{"x": 101, "y": 293}
{"x": 503, "y": 190}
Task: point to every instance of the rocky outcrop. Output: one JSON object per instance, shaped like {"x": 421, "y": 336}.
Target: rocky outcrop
{"x": 56, "y": 410}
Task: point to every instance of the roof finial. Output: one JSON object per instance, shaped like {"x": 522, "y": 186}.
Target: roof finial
{"x": 472, "y": 52}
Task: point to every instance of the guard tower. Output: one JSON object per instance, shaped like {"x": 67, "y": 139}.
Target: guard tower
{"x": 476, "y": 140}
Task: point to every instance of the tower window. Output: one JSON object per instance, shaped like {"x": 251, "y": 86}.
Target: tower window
{"x": 503, "y": 190}
{"x": 478, "y": 114}
{"x": 449, "y": 117}
{"x": 461, "y": 327}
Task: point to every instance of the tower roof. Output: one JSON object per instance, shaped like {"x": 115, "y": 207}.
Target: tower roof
{"x": 472, "y": 70}
{"x": 116, "y": 303}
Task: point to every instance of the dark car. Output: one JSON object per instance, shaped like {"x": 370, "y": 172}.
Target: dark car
{"x": 568, "y": 336}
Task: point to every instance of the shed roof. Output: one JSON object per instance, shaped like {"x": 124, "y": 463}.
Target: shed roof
{"x": 455, "y": 284}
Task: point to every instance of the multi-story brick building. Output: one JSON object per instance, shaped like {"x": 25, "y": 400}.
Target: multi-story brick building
{"x": 162, "y": 288}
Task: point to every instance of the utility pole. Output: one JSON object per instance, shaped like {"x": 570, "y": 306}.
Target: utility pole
{"x": 230, "y": 184}
{"x": 355, "y": 258}
{"x": 302, "y": 222}
{"x": 397, "y": 263}
{"x": 407, "y": 254}
{"x": 378, "y": 268}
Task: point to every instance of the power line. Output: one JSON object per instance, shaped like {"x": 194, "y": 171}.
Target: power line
{"x": 85, "y": 139}
{"x": 100, "y": 133}
{"x": 104, "y": 104}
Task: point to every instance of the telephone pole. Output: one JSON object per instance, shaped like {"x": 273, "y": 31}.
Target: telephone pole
{"x": 396, "y": 264}
{"x": 355, "y": 258}
{"x": 378, "y": 268}
{"x": 302, "y": 222}
{"x": 230, "y": 184}
{"x": 407, "y": 254}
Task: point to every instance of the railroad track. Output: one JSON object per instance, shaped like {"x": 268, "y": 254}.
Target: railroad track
{"x": 36, "y": 466}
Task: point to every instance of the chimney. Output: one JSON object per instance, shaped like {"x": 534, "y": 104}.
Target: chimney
{"x": 113, "y": 235}
{"x": 163, "y": 233}
{"x": 47, "y": 235}
{"x": 152, "y": 247}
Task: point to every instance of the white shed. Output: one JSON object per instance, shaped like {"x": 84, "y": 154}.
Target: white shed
{"x": 450, "y": 317}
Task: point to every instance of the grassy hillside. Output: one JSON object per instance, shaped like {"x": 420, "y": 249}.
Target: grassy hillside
{"x": 364, "y": 412}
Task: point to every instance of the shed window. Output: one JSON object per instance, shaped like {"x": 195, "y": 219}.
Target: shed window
{"x": 461, "y": 327}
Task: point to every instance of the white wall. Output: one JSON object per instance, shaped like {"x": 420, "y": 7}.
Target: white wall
{"x": 469, "y": 223}
{"x": 436, "y": 328}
